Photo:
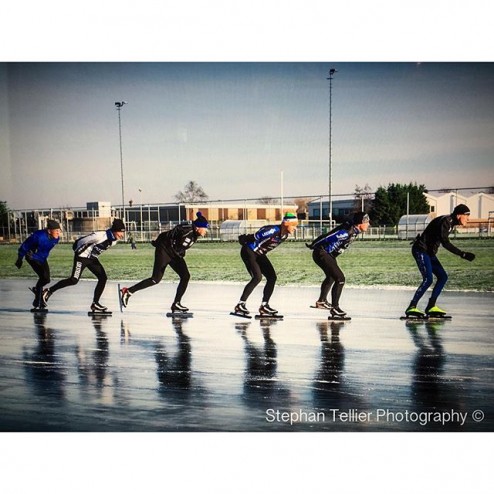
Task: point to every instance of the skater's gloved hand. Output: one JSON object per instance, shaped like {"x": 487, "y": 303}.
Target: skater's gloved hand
{"x": 18, "y": 263}
{"x": 308, "y": 245}
{"x": 468, "y": 256}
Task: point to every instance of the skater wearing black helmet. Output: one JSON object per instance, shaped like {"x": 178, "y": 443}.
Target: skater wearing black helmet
{"x": 424, "y": 251}
{"x": 326, "y": 248}
{"x": 171, "y": 247}
{"x": 36, "y": 249}
{"x": 87, "y": 250}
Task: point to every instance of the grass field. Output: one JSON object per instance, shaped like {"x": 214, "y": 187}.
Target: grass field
{"x": 366, "y": 263}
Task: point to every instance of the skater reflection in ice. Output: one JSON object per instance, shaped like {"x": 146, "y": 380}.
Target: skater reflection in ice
{"x": 330, "y": 388}
{"x": 175, "y": 373}
{"x": 261, "y": 385}
{"x": 44, "y": 371}
{"x": 328, "y": 383}
{"x": 430, "y": 390}
{"x": 93, "y": 365}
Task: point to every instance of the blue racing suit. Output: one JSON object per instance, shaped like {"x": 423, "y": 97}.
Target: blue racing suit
{"x": 37, "y": 246}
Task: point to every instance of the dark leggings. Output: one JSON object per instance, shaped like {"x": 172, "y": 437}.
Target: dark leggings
{"x": 43, "y": 271}
{"x": 161, "y": 260}
{"x": 80, "y": 264}
{"x": 429, "y": 265}
{"x": 334, "y": 276}
{"x": 257, "y": 266}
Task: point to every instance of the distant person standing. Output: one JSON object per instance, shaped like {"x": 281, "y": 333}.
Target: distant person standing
{"x": 326, "y": 248}
{"x": 87, "y": 251}
{"x": 424, "y": 251}
{"x": 170, "y": 249}
{"x": 36, "y": 249}
{"x": 132, "y": 242}
{"x": 255, "y": 248}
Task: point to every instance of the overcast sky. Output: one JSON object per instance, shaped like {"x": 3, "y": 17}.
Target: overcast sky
{"x": 234, "y": 127}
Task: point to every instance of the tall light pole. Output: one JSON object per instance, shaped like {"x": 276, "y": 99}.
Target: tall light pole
{"x": 118, "y": 105}
{"x": 330, "y": 194}
{"x": 140, "y": 198}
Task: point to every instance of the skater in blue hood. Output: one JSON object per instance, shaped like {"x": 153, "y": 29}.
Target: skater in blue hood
{"x": 36, "y": 249}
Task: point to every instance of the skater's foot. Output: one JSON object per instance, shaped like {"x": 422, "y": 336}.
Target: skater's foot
{"x": 178, "y": 307}
{"x": 241, "y": 309}
{"x": 414, "y": 312}
{"x": 266, "y": 310}
{"x": 337, "y": 312}
{"x": 124, "y": 296}
{"x": 435, "y": 311}
{"x": 46, "y": 295}
{"x": 97, "y": 307}
{"x": 323, "y": 305}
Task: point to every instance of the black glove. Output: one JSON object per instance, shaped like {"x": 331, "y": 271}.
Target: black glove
{"x": 309, "y": 246}
{"x": 18, "y": 263}
{"x": 468, "y": 256}
{"x": 246, "y": 238}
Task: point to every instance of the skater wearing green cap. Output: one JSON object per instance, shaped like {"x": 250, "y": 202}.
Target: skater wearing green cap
{"x": 254, "y": 255}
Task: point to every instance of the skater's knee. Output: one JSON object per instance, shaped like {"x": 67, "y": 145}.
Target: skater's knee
{"x": 185, "y": 277}
{"x": 272, "y": 278}
{"x": 73, "y": 281}
{"x": 443, "y": 277}
{"x": 256, "y": 278}
{"x": 340, "y": 279}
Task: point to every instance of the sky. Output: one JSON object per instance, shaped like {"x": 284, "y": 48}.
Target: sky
{"x": 240, "y": 130}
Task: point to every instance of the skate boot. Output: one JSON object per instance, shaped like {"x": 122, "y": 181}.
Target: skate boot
{"x": 323, "y": 305}
{"x": 178, "y": 307}
{"x": 241, "y": 309}
{"x": 337, "y": 312}
{"x": 124, "y": 296}
{"x": 97, "y": 307}
{"x": 46, "y": 295}
{"x": 413, "y": 312}
{"x": 266, "y": 310}
{"x": 435, "y": 311}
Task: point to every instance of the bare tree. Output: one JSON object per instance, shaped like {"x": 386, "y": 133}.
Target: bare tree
{"x": 192, "y": 192}
{"x": 363, "y": 196}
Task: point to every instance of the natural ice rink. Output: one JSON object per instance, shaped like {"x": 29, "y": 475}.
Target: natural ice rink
{"x": 141, "y": 371}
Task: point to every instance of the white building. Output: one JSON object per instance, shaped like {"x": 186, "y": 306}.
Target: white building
{"x": 481, "y": 204}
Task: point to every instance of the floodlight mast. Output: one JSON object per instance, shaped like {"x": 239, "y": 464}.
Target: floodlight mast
{"x": 332, "y": 71}
{"x": 118, "y": 105}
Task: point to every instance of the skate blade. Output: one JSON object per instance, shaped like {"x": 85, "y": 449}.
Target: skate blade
{"x": 39, "y": 311}
{"x": 245, "y": 316}
{"x": 99, "y": 314}
{"x": 339, "y": 318}
{"x": 119, "y": 293}
{"x": 269, "y": 316}
{"x": 413, "y": 318}
{"x": 180, "y": 315}
{"x": 320, "y": 308}
{"x": 437, "y": 318}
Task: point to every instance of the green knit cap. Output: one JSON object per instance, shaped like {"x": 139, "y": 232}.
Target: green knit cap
{"x": 290, "y": 217}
